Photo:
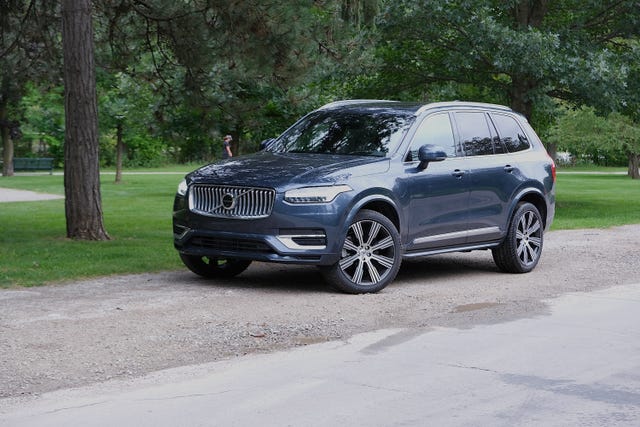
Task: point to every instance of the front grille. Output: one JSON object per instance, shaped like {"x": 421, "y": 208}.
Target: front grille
{"x": 231, "y": 202}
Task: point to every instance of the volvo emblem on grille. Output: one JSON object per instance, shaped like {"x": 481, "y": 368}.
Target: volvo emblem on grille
{"x": 219, "y": 201}
{"x": 228, "y": 201}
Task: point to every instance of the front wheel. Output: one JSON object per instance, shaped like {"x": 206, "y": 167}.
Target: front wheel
{"x": 521, "y": 249}
{"x": 370, "y": 257}
{"x": 213, "y": 268}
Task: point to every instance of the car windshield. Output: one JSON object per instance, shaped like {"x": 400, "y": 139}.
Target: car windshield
{"x": 368, "y": 132}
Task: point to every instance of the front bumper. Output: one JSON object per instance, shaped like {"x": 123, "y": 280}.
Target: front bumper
{"x": 309, "y": 235}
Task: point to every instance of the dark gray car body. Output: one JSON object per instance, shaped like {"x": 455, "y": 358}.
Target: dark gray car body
{"x": 462, "y": 202}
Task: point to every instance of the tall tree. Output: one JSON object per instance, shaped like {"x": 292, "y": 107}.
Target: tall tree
{"x": 224, "y": 65}
{"x": 27, "y": 52}
{"x": 525, "y": 53}
{"x": 83, "y": 204}
{"x": 361, "y": 13}
{"x": 585, "y": 134}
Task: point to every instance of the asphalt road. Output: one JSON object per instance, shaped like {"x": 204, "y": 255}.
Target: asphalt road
{"x": 578, "y": 365}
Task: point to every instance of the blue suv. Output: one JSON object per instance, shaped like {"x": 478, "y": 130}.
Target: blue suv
{"x": 356, "y": 186}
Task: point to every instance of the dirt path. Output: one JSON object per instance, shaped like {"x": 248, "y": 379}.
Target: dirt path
{"x": 117, "y": 327}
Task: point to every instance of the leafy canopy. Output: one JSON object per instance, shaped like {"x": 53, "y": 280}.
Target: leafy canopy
{"x": 522, "y": 53}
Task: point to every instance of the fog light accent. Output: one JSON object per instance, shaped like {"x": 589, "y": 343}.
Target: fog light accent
{"x": 290, "y": 241}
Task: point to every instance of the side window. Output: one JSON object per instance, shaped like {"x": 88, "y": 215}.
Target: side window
{"x": 436, "y": 130}
{"x": 511, "y": 134}
{"x": 475, "y": 136}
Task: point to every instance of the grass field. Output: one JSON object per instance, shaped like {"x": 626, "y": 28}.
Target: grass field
{"x": 137, "y": 215}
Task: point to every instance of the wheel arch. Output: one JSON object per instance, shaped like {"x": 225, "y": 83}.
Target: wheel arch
{"x": 378, "y": 203}
{"x": 536, "y": 198}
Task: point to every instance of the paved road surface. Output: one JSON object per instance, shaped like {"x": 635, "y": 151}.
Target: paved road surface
{"x": 577, "y": 365}
{"x": 11, "y": 195}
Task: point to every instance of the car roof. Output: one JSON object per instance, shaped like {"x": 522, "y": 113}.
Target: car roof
{"x": 463, "y": 105}
{"x": 410, "y": 107}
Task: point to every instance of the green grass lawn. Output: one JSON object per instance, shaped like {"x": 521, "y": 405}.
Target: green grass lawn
{"x": 137, "y": 215}
{"x": 592, "y": 168}
{"x": 596, "y": 201}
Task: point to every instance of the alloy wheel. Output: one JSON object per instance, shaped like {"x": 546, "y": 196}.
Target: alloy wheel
{"x": 368, "y": 253}
{"x": 529, "y": 238}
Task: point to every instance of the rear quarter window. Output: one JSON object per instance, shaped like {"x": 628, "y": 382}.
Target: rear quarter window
{"x": 511, "y": 134}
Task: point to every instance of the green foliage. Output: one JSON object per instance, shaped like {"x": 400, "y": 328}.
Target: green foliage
{"x": 42, "y": 123}
{"x": 130, "y": 103}
{"x": 26, "y": 51}
{"x": 177, "y": 76}
{"x": 601, "y": 140}
{"x": 26, "y": 54}
{"x": 215, "y": 69}
{"x": 524, "y": 54}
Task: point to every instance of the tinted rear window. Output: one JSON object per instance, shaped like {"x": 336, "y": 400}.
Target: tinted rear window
{"x": 511, "y": 134}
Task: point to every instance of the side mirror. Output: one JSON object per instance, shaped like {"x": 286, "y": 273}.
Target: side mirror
{"x": 266, "y": 143}
{"x": 430, "y": 153}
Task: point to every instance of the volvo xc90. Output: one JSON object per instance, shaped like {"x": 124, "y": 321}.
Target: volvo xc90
{"x": 356, "y": 186}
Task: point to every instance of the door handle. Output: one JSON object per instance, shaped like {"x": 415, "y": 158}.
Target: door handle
{"x": 509, "y": 168}
{"x": 458, "y": 173}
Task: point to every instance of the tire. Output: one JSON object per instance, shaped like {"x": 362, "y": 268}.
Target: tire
{"x": 214, "y": 268}
{"x": 521, "y": 249}
{"x": 370, "y": 257}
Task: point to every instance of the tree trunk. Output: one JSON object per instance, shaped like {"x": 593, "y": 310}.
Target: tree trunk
{"x": 552, "y": 149}
{"x": 518, "y": 92}
{"x": 7, "y": 142}
{"x": 634, "y": 166}
{"x": 530, "y": 13}
{"x": 83, "y": 205}
{"x": 527, "y": 13}
{"x": 119, "y": 153}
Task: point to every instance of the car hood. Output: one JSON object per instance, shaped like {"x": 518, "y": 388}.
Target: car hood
{"x": 285, "y": 170}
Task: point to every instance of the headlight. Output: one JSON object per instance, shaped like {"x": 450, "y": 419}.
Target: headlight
{"x": 182, "y": 187}
{"x": 315, "y": 194}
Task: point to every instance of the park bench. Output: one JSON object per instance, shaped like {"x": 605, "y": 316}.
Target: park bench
{"x": 33, "y": 164}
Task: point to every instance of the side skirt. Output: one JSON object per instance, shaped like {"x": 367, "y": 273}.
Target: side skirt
{"x": 464, "y": 248}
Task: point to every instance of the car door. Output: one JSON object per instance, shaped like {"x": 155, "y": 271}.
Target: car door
{"x": 437, "y": 197}
{"x": 493, "y": 175}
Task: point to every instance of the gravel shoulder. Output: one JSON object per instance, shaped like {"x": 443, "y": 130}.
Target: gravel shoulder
{"x": 120, "y": 327}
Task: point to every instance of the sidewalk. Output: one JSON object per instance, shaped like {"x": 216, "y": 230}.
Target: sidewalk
{"x": 12, "y": 195}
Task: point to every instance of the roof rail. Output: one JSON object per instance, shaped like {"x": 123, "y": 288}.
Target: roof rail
{"x": 351, "y": 102}
{"x": 447, "y": 104}
{"x": 462, "y": 104}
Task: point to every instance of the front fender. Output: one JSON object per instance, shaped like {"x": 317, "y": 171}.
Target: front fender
{"x": 375, "y": 198}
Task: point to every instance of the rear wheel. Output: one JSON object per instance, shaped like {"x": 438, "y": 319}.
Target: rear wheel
{"x": 213, "y": 268}
{"x": 521, "y": 249}
{"x": 370, "y": 257}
